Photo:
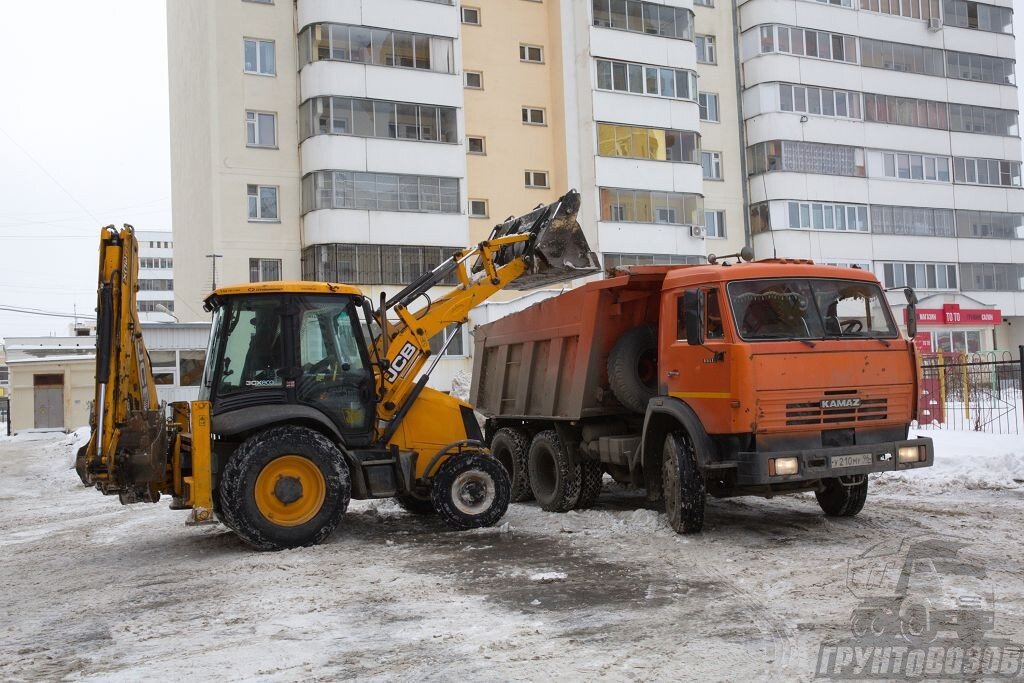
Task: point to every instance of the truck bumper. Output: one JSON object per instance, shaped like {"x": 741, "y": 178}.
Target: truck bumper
{"x": 760, "y": 468}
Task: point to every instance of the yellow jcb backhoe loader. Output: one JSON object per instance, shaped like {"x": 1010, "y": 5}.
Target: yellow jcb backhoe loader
{"x": 309, "y": 395}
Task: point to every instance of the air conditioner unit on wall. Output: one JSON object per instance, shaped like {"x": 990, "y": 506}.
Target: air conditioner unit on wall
{"x": 935, "y": 24}
{"x": 698, "y": 231}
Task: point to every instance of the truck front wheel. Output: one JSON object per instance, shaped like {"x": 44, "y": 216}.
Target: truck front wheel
{"x": 471, "y": 491}
{"x": 284, "y": 487}
{"x": 843, "y": 496}
{"x": 683, "y": 486}
{"x": 555, "y": 480}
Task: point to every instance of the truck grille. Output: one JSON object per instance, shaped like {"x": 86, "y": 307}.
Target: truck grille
{"x": 811, "y": 412}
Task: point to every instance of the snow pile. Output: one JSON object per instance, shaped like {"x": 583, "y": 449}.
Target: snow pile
{"x": 460, "y": 385}
{"x": 67, "y": 448}
{"x": 966, "y": 460}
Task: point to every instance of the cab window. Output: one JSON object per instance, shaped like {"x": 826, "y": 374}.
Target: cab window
{"x": 253, "y": 350}
{"x": 714, "y": 327}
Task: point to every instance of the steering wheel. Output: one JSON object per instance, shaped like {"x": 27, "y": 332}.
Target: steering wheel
{"x": 851, "y": 326}
{"x": 319, "y": 366}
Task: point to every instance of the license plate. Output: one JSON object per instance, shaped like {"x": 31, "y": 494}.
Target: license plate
{"x": 856, "y": 460}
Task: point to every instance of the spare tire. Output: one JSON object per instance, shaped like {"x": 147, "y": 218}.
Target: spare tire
{"x": 633, "y": 367}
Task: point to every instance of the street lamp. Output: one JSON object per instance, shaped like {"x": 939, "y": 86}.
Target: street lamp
{"x": 163, "y": 309}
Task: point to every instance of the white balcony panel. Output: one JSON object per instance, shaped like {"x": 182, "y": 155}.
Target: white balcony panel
{"x": 914, "y": 248}
{"x": 642, "y": 48}
{"x": 634, "y": 173}
{"x": 345, "y": 152}
{"x": 989, "y": 250}
{"x": 906, "y": 138}
{"x": 985, "y": 146}
{"x": 385, "y": 227}
{"x": 979, "y": 42}
{"x": 757, "y": 12}
{"x": 644, "y": 110}
{"x": 380, "y": 82}
{"x": 404, "y": 15}
{"x": 910, "y": 193}
{"x": 982, "y": 198}
{"x": 340, "y": 152}
{"x": 645, "y": 238}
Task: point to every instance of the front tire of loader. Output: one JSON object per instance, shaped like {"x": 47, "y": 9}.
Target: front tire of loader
{"x": 471, "y": 491}
{"x": 511, "y": 447}
{"x": 683, "y": 487}
{"x": 285, "y": 487}
{"x": 555, "y": 481}
{"x": 839, "y": 499}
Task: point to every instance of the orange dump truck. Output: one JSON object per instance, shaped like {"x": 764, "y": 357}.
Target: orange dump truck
{"x": 729, "y": 379}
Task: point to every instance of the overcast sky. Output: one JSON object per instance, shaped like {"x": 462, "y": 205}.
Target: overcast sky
{"x": 84, "y": 143}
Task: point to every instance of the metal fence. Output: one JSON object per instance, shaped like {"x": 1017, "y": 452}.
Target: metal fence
{"x": 978, "y": 392}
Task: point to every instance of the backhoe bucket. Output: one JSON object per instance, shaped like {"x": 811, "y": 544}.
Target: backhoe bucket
{"x": 558, "y": 251}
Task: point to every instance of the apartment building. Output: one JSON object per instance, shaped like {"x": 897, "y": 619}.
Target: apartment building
{"x": 156, "y": 276}
{"x": 884, "y": 135}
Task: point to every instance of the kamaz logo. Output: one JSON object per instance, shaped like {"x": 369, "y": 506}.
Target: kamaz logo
{"x": 840, "y": 403}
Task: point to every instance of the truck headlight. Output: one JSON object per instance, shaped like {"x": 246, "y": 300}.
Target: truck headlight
{"x": 911, "y": 454}
{"x": 781, "y": 466}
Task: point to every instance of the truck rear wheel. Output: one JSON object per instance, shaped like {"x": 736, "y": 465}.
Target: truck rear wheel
{"x": 556, "y": 482}
{"x": 591, "y": 482}
{"x": 471, "y": 491}
{"x": 511, "y": 447}
{"x": 283, "y": 488}
{"x": 841, "y": 498}
{"x": 683, "y": 486}
{"x": 633, "y": 367}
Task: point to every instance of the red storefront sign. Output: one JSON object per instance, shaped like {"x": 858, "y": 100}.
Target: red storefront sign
{"x": 952, "y": 314}
{"x": 923, "y": 342}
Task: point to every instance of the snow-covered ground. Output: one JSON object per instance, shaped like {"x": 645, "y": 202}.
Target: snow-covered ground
{"x": 94, "y": 590}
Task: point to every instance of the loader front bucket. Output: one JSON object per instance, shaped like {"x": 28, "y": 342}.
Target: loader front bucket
{"x": 559, "y": 250}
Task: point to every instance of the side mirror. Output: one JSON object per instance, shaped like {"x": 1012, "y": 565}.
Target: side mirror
{"x": 747, "y": 254}
{"x": 694, "y": 303}
{"x": 911, "y": 297}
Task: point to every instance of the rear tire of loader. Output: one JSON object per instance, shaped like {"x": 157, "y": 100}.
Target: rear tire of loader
{"x": 285, "y": 487}
{"x": 512, "y": 447}
{"x": 591, "y": 483}
{"x": 633, "y": 367}
{"x": 555, "y": 481}
{"x": 683, "y": 486}
{"x": 841, "y": 500}
{"x": 471, "y": 491}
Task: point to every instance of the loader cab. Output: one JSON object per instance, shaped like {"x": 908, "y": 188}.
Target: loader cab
{"x": 287, "y": 347}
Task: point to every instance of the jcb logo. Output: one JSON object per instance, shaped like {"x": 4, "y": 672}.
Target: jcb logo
{"x": 407, "y": 353}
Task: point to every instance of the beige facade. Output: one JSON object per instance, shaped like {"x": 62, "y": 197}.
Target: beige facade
{"x": 51, "y": 381}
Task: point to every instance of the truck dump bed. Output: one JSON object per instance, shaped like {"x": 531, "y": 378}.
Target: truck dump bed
{"x": 550, "y": 360}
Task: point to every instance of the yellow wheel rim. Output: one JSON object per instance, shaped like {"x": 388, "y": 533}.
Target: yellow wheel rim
{"x": 290, "y": 490}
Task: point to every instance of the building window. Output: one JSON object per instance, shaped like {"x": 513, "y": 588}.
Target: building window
{"x": 260, "y": 129}
{"x": 377, "y": 119}
{"x": 808, "y": 43}
{"x": 379, "y": 192}
{"x": 805, "y": 157}
{"x": 760, "y": 218}
{"x": 471, "y": 15}
{"x": 655, "y": 144}
{"x": 259, "y": 57}
{"x": 612, "y": 261}
{"x": 644, "y": 17}
{"x": 478, "y": 208}
{"x": 708, "y": 103}
{"x": 899, "y": 57}
{"x": 362, "y": 45}
{"x": 706, "y": 50}
{"x": 157, "y": 285}
{"x": 476, "y": 144}
{"x": 704, "y": 3}
{"x": 645, "y": 206}
{"x": 640, "y": 79}
{"x": 913, "y": 9}
{"x": 534, "y": 116}
{"x": 911, "y": 220}
{"x": 819, "y": 101}
{"x": 977, "y": 15}
{"x": 148, "y": 306}
{"x": 992, "y": 277}
{"x": 920, "y": 275}
{"x": 986, "y": 172}
{"x": 711, "y": 163}
{"x": 974, "y": 67}
{"x": 473, "y": 79}
{"x": 714, "y": 223}
{"x": 915, "y": 167}
{"x": 531, "y": 53}
{"x": 969, "y": 118}
{"x": 261, "y": 2}
{"x": 826, "y": 216}
{"x": 262, "y": 202}
{"x": 453, "y": 336}
{"x": 989, "y": 224}
{"x": 154, "y": 262}
{"x": 373, "y": 264}
{"x": 536, "y": 179}
{"x": 264, "y": 269}
{"x": 906, "y": 111}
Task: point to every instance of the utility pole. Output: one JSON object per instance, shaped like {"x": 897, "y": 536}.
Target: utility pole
{"x": 213, "y": 264}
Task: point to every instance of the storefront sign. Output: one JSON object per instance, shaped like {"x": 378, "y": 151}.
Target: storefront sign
{"x": 923, "y": 342}
{"x": 952, "y": 314}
